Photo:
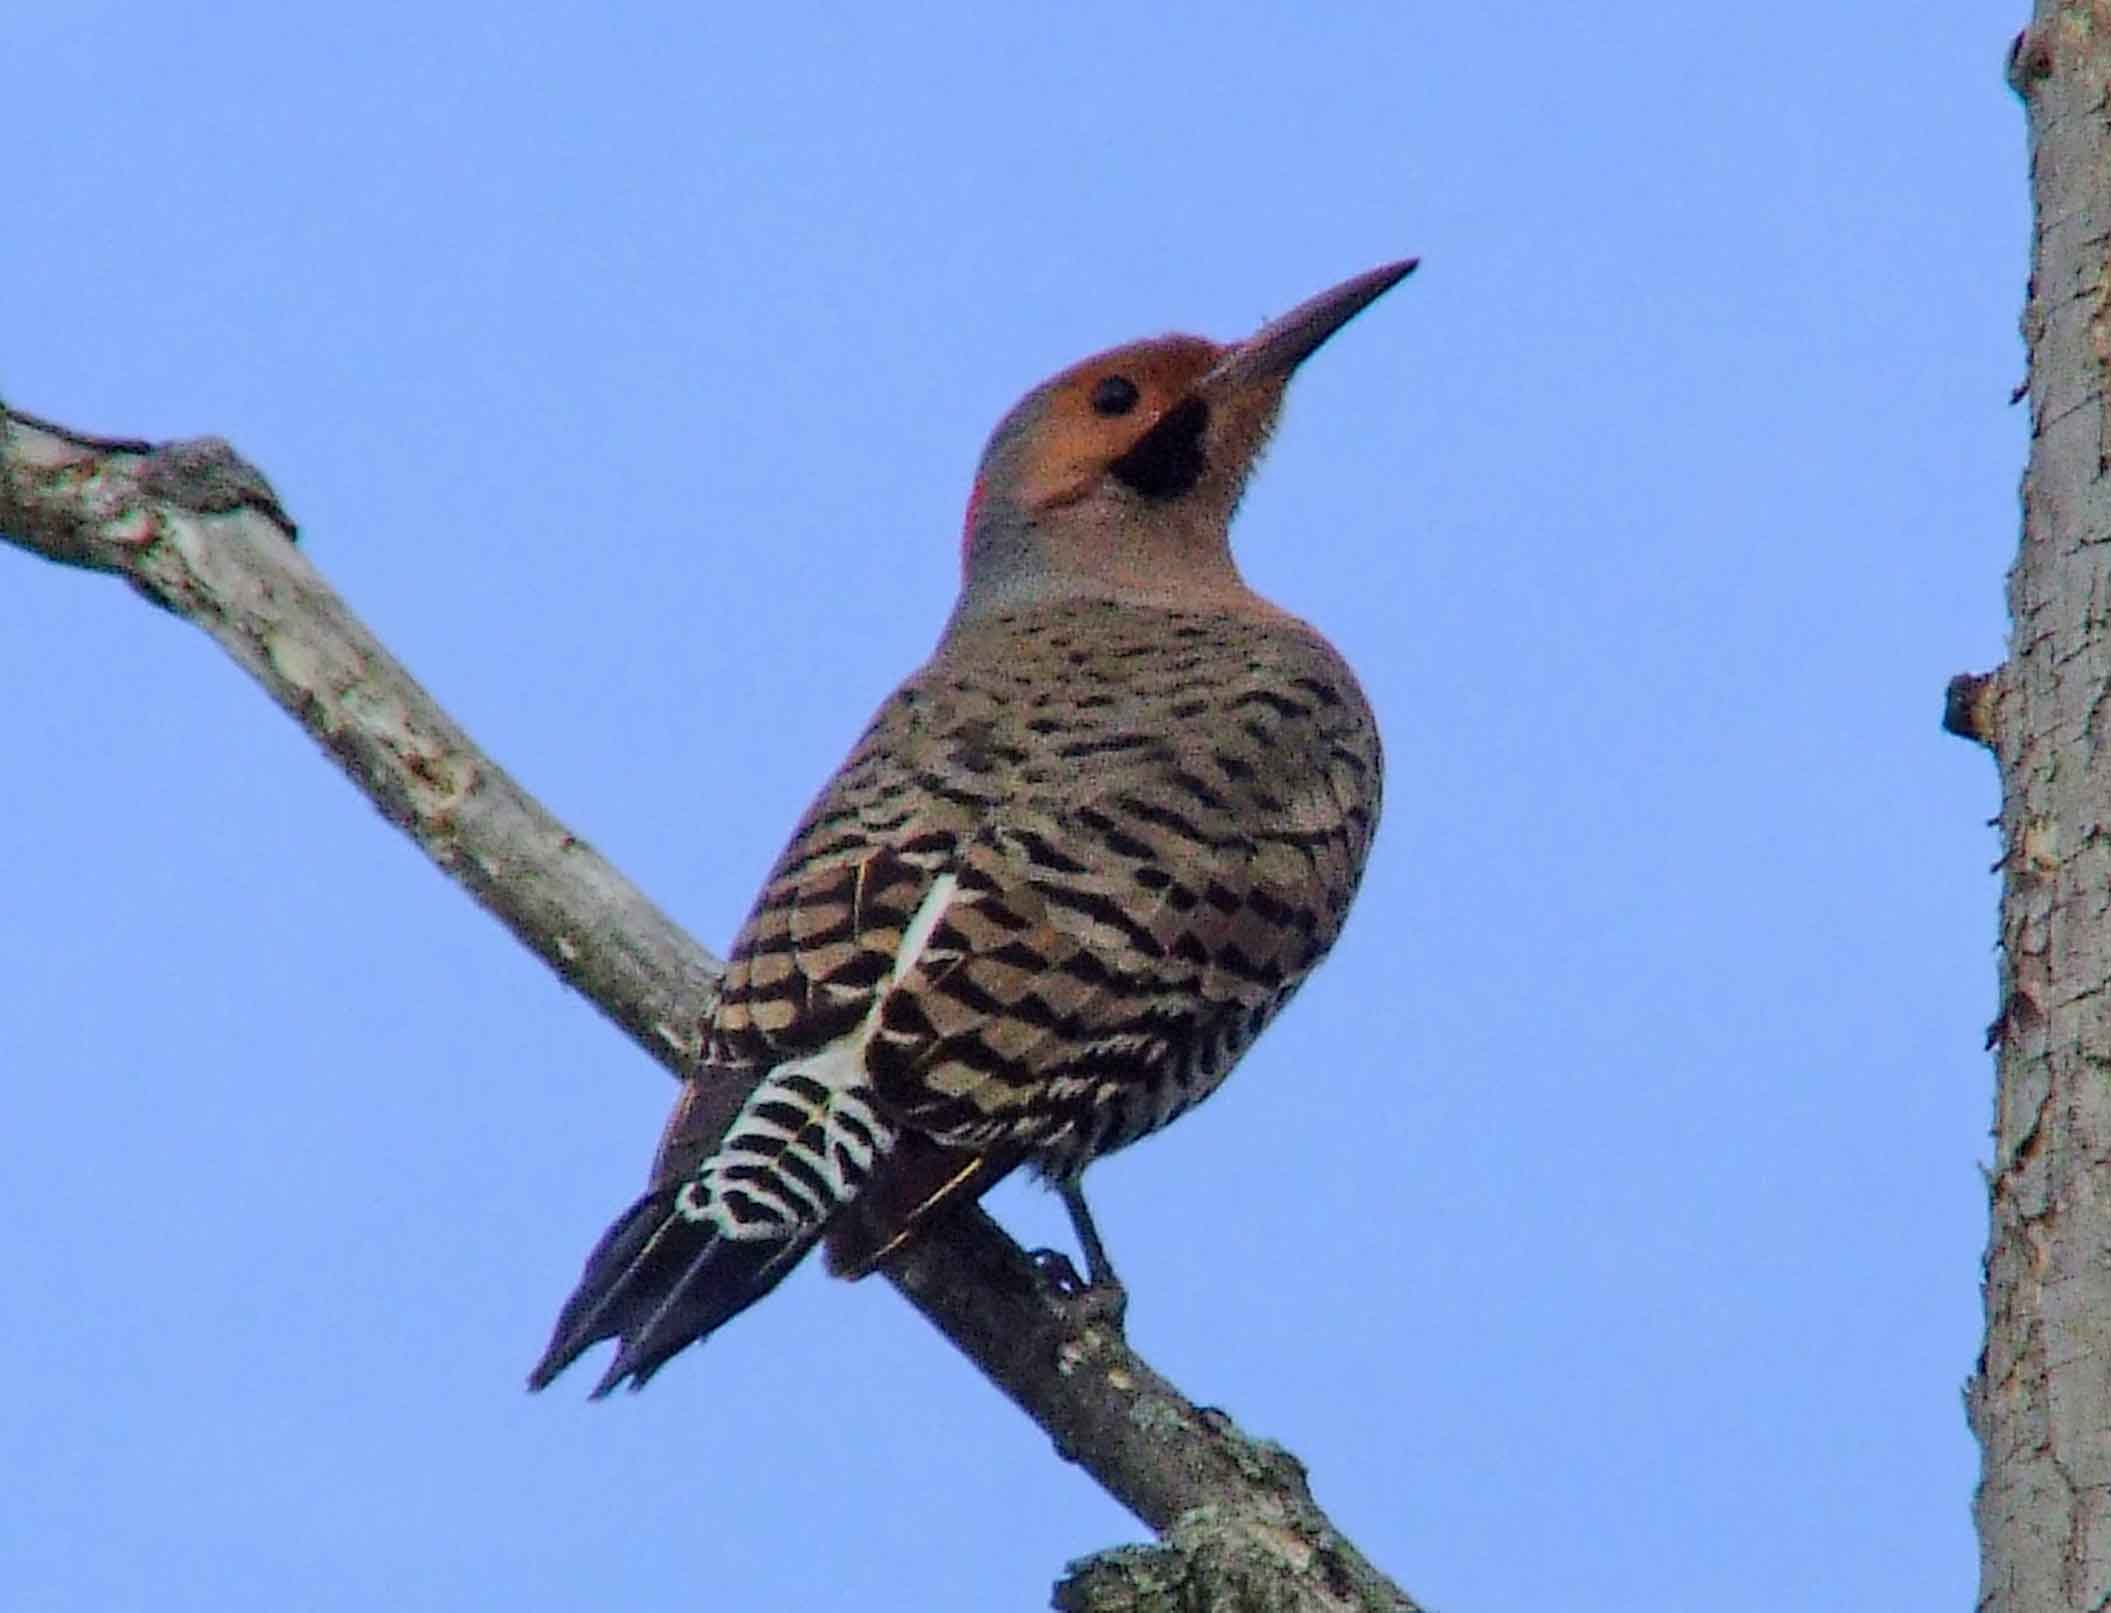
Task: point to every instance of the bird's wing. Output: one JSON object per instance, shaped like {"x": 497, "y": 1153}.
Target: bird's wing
{"x": 998, "y": 935}
{"x": 1050, "y": 943}
{"x": 1099, "y": 970}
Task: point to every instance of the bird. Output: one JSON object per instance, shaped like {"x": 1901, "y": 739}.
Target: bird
{"x": 1074, "y": 865}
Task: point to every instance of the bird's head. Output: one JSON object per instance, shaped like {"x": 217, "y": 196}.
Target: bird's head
{"x": 1120, "y": 475}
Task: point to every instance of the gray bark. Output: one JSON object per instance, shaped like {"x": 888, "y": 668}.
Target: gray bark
{"x": 201, "y": 534}
{"x": 2040, "y": 1399}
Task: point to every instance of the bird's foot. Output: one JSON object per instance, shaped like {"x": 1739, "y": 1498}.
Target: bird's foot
{"x": 1102, "y": 1302}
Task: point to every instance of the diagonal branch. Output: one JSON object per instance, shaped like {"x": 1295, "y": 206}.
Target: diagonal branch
{"x": 200, "y": 533}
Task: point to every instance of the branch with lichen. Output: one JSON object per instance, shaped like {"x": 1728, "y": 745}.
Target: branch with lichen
{"x": 200, "y": 533}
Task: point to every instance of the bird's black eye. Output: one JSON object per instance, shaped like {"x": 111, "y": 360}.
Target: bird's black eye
{"x": 1115, "y": 394}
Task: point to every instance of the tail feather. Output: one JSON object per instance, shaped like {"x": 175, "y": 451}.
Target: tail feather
{"x": 699, "y": 1249}
{"x": 659, "y": 1281}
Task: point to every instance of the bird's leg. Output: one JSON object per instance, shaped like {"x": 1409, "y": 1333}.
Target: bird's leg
{"x": 1100, "y": 1297}
{"x": 1099, "y": 1271}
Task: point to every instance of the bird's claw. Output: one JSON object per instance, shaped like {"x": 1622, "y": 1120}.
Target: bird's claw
{"x": 1081, "y": 1304}
{"x": 1059, "y": 1278}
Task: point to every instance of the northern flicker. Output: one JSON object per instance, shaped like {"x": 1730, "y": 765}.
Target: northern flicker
{"x": 1072, "y": 868}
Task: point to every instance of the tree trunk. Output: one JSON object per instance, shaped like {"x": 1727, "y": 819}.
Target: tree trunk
{"x": 2040, "y": 1401}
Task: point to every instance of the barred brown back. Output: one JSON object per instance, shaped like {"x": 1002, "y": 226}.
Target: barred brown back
{"x": 1156, "y": 819}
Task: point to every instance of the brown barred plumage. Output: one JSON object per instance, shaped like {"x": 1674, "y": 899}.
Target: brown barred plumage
{"x": 1069, "y": 872}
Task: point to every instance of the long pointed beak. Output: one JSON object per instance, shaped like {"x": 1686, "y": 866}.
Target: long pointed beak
{"x": 1283, "y": 344}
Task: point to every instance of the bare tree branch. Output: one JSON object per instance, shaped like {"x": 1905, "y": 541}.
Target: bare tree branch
{"x": 200, "y": 533}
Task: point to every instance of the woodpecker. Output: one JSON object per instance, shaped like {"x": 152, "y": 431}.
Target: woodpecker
{"x": 1073, "y": 867}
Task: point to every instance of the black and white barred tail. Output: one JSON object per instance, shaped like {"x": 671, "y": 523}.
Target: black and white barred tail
{"x": 692, "y": 1254}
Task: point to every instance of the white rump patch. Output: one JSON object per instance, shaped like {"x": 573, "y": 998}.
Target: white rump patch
{"x": 852, "y": 1135}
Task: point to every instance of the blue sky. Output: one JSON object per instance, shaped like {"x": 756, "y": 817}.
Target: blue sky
{"x": 1601, "y": 1225}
